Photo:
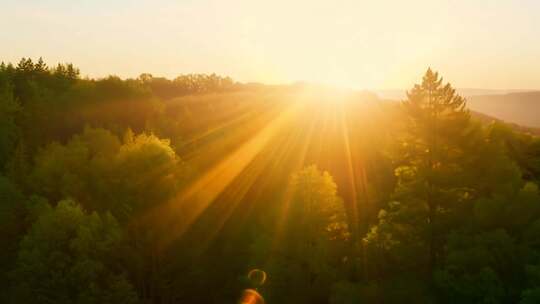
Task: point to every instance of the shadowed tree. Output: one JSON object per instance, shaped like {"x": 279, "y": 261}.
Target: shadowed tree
{"x": 9, "y": 131}
{"x": 437, "y": 120}
{"x": 68, "y": 256}
{"x": 429, "y": 173}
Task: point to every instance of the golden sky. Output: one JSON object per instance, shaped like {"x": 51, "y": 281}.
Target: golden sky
{"x": 359, "y": 44}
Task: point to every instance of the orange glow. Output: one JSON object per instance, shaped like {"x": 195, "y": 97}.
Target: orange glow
{"x": 189, "y": 204}
{"x": 306, "y": 125}
{"x": 251, "y": 296}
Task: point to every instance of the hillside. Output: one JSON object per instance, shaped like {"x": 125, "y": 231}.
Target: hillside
{"x": 514, "y": 107}
{"x": 399, "y": 94}
{"x": 520, "y": 108}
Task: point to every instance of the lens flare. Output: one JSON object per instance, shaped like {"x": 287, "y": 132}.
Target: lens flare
{"x": 257, "y": 277}
{"x": 251, "y": 296}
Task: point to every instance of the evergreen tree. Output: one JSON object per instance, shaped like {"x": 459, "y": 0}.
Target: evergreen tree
{"x": 437, "y": 123}
{"x": 429, "y": 172}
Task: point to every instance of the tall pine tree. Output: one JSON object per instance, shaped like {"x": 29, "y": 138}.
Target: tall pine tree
{"x": 437, "y": 119}
{"x": 430, "y": 175}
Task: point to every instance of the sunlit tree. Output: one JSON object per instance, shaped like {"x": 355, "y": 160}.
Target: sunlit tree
{"x": 437, "y": 122}
{"x": 314, "y": 224}
{"x": 430, "y": 160}
{"x": 95, "y": 168}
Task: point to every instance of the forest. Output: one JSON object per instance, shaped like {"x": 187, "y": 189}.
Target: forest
{"x": 202, "y": 189}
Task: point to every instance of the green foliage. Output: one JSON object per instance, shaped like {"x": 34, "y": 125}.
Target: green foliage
{"x": 460, "y": 206}
{"x": 315, "y": 221}
{"x": 11, "y": 229}
{"x": 479, "y": 268}
{"x": 187, "y": 84}
{"x": 530, "y": 296}
{"x": 429, "y": 184}
{"x": 68, "y": 257}
{"x": 348, "y": 293}
{"x": 163, "y": 171}
{"x": 512, "y": 212}
{"x": 103, "y": 174}
{"x": 9, "y": 130}
{"x": 345, "y": 292}
{"x": 481, "y": 287}
{"x": 452, "y": 205}
{"x": 315, "y": 205}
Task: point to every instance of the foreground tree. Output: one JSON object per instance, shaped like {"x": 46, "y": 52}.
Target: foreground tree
{"x": 68, "y": 256}
{"x": 11, "y": 229}
{"x": 9, "y": 131}
{"x": 303, "y": 262}
{"x": 431, "y": 158}
{"x": 460, "y": 210}
{"x": 431, "y": 168}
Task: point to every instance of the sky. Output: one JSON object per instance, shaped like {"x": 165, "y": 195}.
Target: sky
{"x": 489, "y": 44}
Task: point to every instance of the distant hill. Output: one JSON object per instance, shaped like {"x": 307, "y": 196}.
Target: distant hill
{"x": 512, "y": 106}
{"x": 520, "y": 108}
{"x": 399, "y": 94}
{"x": 519, "y": 128}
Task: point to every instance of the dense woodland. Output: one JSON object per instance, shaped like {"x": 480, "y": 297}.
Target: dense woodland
{"x": 152, "y": 190}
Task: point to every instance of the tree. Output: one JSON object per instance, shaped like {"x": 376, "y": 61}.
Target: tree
{"x": 103, "y": 174}
{"x": 11, "y": 229}
{"x": 478, "y": 268}
{"x": 437, "y": 121}
{"x": 9, "y": 130}
{"x": 313, "y": 227}
{"x": 430, "y": 168}
{"x": 68, "y": 256}
{"x": 71, "y": 170}
{"x": 163, "y": 171}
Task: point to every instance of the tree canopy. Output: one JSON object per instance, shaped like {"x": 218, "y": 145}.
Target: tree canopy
{"x": 201, "y": 189}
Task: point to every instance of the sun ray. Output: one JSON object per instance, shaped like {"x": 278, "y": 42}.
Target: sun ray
{"x": 351, "y": 179}
{"x": 183, "y": 210}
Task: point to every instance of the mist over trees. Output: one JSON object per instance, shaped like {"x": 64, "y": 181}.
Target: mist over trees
{"x": 152, "y": 190}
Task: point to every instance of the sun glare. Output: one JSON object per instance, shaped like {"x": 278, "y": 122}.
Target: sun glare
{"x": 240, "y": 151}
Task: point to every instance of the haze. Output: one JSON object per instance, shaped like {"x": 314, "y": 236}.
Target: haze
{"x": 359, "y": 44}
